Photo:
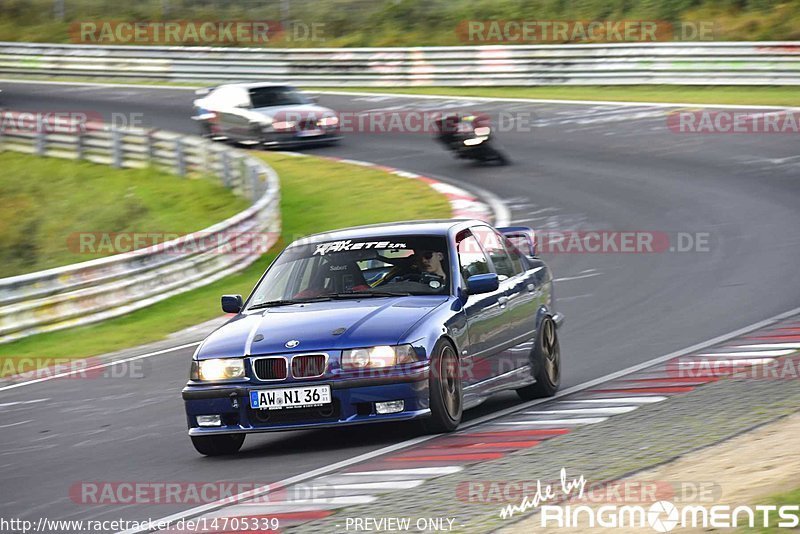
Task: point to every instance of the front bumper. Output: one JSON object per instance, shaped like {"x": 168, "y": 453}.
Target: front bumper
{"x": 289, "y": 138}
{"x": 353, "y": 403}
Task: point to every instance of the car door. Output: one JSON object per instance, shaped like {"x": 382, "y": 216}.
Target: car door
{"x": 514, "y": 302}
{"x": 525, "y": 298}
{"x": 233, "y": 117}
{"x": 484, "y": 317}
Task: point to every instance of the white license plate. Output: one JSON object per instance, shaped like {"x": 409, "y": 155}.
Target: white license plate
{"x": 309, "y": 133}
{"x": 279, "y": 398}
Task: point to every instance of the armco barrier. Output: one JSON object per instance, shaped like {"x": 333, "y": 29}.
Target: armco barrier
{"x": 706, "y": 63}
{"x": 107, "y": 287}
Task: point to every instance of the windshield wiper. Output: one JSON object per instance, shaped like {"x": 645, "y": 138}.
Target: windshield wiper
{"x": 286, "y": 302}
{"x": 271, "y": 303}
{"x": 357, "y": 294}
{"x": 330, "y": 296}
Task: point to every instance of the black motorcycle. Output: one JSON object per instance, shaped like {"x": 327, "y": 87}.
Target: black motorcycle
{"x": 469, "y": 137}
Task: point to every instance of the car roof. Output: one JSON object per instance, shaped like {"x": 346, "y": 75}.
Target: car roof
{"x": 255, "y": 85}
{"x": 440, "y": 227}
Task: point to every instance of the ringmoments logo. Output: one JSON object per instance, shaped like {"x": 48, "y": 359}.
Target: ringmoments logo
{"x": 660, "y": 516}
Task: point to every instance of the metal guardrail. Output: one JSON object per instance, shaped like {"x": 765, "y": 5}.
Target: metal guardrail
{"x": 681, "y": 63}
{"x": 108, "y": 287}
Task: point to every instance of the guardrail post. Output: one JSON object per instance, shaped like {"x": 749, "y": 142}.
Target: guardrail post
{"x": 243, "y": 174}
{"x": 151, "y": 147}
{"x": 79, "y": 145}
{"x": 180, "y": 157}
{"x": 41, "y": 142}
{"x": 116, "y": 148}
{"x": 226, "y": 168}
{"x": 253, "y": 182}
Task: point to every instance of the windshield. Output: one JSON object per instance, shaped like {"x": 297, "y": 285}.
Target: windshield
{"x": 264, "y": 97}
{"x": 369, "y": 267}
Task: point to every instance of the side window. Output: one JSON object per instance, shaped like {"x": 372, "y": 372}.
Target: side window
{"x": 471, "y": 258}
{"x": 493, "y": 246}
{"x": 516, "y": 256}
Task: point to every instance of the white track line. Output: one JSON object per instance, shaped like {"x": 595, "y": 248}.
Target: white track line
{"x": 561, "y": 422}
{"x": 414, "y": 471}
{"x": 193, "y": 512}
{"x": 621, "y": 400}
{"x": 98, "y": 366}
{"x": 387, "y": 485}
{"x": 748, "y": 354}
{"x": 556, "y": 101}
{"x": 611, "y": 410}
{"x": 16, "y": 424}
{"x": 18, "y": 403}
{"x": 770, "y": 346}
{"x": 729, "y": 361}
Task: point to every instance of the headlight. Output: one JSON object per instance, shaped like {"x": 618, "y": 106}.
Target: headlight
{"x": 217, "y": 369}
{"x": 375, "y": 357}
{"x": 328, "y": 121}
{"x": 283, "y": 125}
{"x": 482, "y": 131}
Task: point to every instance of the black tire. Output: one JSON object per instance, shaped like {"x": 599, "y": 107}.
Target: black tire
{"x": 220, "y": 445}
{"x": 545, "y": 362}
{"x": 446, "y": 395}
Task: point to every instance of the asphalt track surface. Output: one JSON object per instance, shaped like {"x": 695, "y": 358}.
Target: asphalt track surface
{"x": 583, "y": 167}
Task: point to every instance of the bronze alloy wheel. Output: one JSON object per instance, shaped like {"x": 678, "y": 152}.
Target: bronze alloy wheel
{"x": 450, "y": 382}
{"x": 545, "y": 363}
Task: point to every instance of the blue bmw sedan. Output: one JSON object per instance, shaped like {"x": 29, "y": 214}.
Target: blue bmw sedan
{"x": 409, "y": 320}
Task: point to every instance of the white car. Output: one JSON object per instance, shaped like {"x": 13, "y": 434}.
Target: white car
{"x": 266, "y": 114}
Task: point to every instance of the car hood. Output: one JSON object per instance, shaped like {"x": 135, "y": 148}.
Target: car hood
{"x": 366, "y": 322}
{"x": 295, "y": 112}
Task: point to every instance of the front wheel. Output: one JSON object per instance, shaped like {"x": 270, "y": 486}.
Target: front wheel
{"x": 220, "y": 445}
{"x": 546, "y": 362}
{"x": 445, "y": 389}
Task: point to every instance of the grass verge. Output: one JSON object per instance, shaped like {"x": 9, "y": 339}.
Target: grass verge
{"x": 736, "y": 95}
{"x": 313, "y": 198}
{"x": 48, "y": 202}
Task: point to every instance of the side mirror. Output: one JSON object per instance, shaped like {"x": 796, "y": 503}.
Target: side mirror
{"x": 482, "y": 283}
{"x": 232, "y": 303}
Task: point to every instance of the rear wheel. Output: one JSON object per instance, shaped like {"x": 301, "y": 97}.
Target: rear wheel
{"x": 445, "y": 389}
{"x": 546, "y": 362}
{"x": 218, "y": 445}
